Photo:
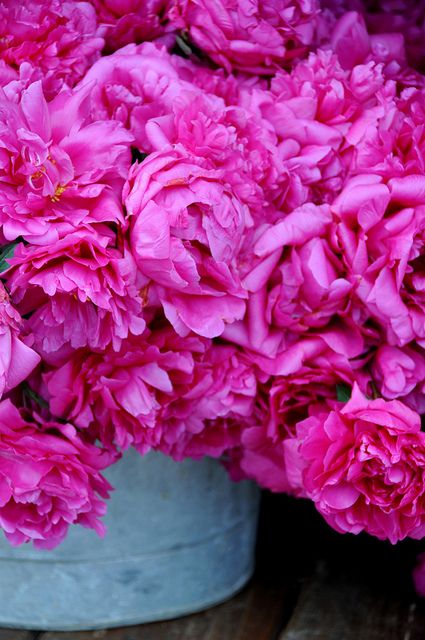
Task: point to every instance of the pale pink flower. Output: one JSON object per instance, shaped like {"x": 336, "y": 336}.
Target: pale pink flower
{"x": 363, "y": 466}
{"x": 49, "y": 479}
{"x": 60, "y": 39}
{"x": 252, "y": 36}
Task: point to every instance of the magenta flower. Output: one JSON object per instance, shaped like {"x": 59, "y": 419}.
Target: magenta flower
{"x": 419, "y": 575}
{"x": 400, "y": 373}
{"x": 382, "y": 244}
{"x": 363, "y": 466}
{"x": 125, "y": 21}
{"x": 81, "y": 290}
{"x": 283, "y": 402}
{"x": 186, "y": 230}
{"x": 160, "y": 391}
{"x": 118, "y": 395}
{"x": 60, "y": 39}
{"x": 307, "y": 287}
{"x": 253, "y": 36}
{"x": 134, "y": 85}
{"x": 58, "y": 173}
{"x": 49, "y": 479}
{"x": 230, "y": 138}
{"x": 209, "y": 412}
{"x": 17, "y": 359}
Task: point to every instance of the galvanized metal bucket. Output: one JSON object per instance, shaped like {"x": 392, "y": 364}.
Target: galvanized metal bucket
{"x": 180, "y": 538}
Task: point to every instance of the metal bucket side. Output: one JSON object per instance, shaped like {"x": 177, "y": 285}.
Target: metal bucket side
{"x": 181, "y": 538}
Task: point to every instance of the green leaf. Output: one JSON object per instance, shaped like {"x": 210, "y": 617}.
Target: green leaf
{"x": 29, "y": 393}
{"x": 137, "y": 156}
{"x": 5, "y": 253}
{"x": 343, "y": 392}
{"x": 183, "y": 45}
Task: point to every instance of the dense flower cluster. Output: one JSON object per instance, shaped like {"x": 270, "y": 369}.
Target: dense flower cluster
{"x": 212, "y": 221}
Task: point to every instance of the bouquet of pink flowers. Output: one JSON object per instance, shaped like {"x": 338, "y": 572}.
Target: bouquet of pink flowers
{"x": 212, "y": 229}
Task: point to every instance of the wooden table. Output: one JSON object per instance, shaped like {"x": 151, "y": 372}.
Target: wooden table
{"x": 310, "y": 584}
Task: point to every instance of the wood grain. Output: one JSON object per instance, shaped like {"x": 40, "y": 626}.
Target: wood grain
{"x": 337, "y": 609}
{"x": 17, "y": 634}
{"x": 254, "y": 614}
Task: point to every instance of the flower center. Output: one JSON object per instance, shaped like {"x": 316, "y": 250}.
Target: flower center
{"x": 58, "y": 192}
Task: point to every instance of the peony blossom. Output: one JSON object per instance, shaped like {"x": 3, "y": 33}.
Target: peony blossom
{"x": 134, "y": 85}
{"x": 17, "y": 359}
{"x": 60, "y": 39}
{"x": 81, "y": 290}
{"x": 58, "y": 173}
{"x": 400, "y": 373}
{"x": 125, "y": 21}
{"x": 186, "y": 230}
{"x": 254, "y": 36}
{"x": 209, "y": 413}
{"x": 284, "y": 401}
{"x": 49, "y": 479}
{"x": 419, "y": 575}
{"x": 230, "y": 138}
{"x": 117, "y": 396}
{"x": 160, "y": 391}
{"x": 363, "y": 467}
{"x": 382, "y": 245}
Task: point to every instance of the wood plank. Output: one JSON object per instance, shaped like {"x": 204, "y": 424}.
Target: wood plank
{"x": 414, "y": 621}
{"x": 254, "y": 614}
{"x": 17, "y": 634}
{"x": 332, "y": 608}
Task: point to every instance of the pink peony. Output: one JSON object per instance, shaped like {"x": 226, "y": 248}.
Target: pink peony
{"x": 405, "y": 18}
{"x": 60, "y": 39}
{"x": 252, "y": 36}
{"x": 210, "y": 411}
{"x": 186, "y": 230}
{"x": 419, "y": 575}
{"x": 308, "y": 285}
{"x": 49, "y": 479}
{"x": 160, "y": 391}
{"x": 283, "y": 402}
{"x": 315, "y": 110}
{"x": 125, "y": 21}
{"x": 294, "y": 279}
{"x": 400, "y": 373}
{"x": 230, "y": 138}
{"x": 133, "y": 85}
{"x": 363, "y": 467}
{"x": 118, "y": 395}
{"x": 17, "y": 360}
{"x": 58, "y": 172}
{"x": 382, "y": 244}
{"x": 81, "y": 290}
